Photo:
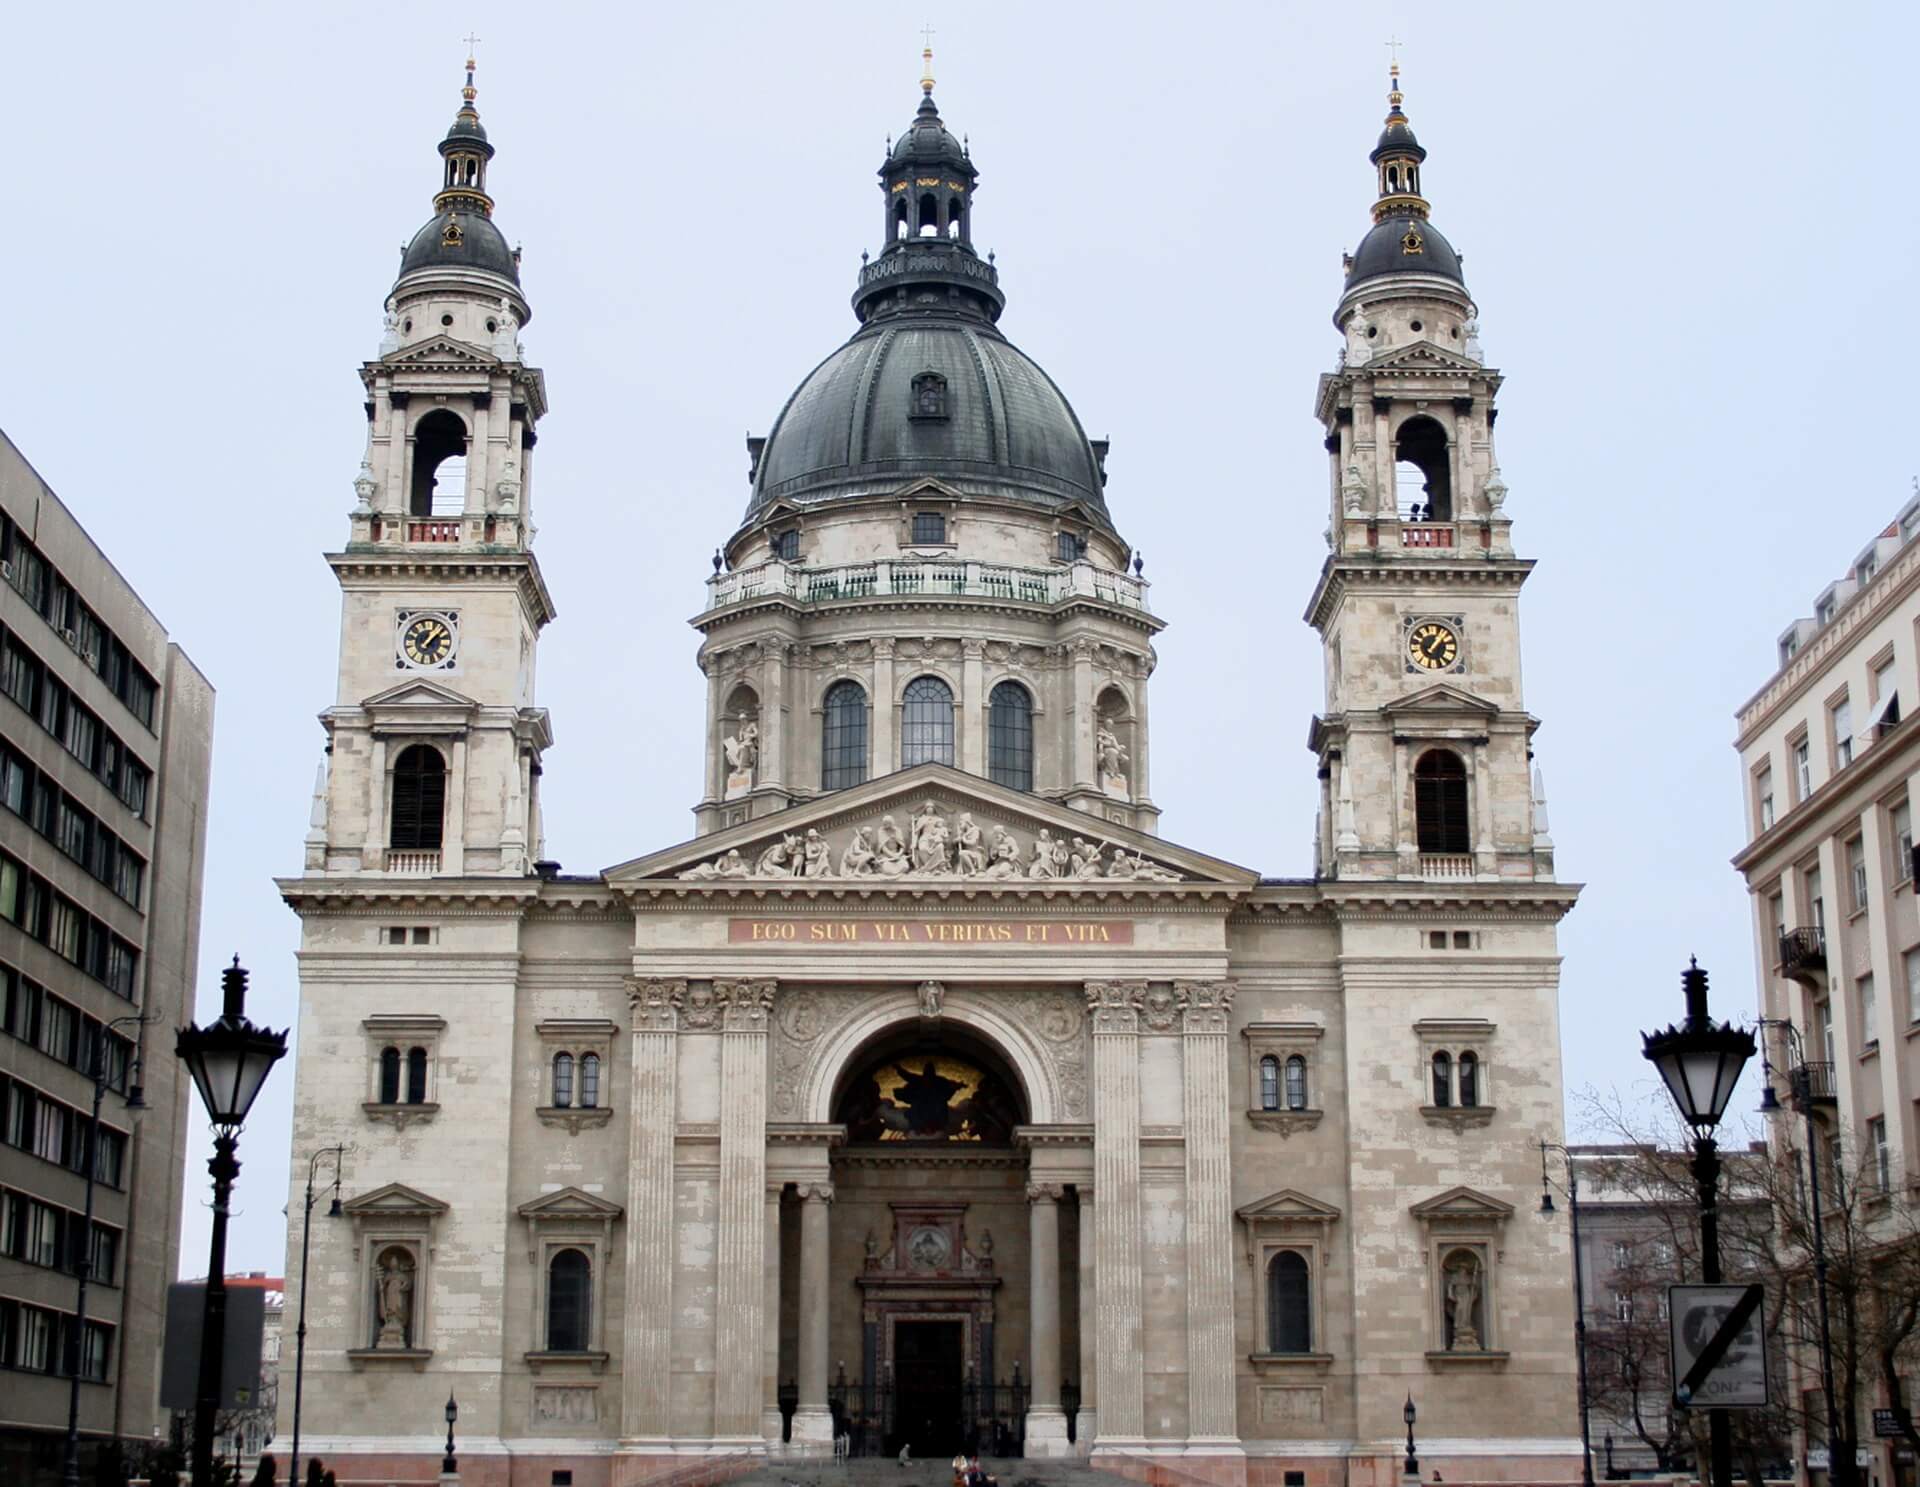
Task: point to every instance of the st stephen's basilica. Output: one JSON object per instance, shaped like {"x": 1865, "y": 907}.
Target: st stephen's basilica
{"x": 929, "y": 1097}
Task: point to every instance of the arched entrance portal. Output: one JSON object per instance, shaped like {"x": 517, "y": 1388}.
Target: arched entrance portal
{"x": 929, "y": 1306}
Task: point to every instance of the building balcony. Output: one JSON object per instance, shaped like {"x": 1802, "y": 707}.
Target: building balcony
{"x": 1815, "y": 1081}
{"x": 1426, "y": 534}
{"x": 1446, "y": 867}
{"x": 919, "y": 578}
{"x": 411, "y": 864}
{"x": 1803, "y": 955}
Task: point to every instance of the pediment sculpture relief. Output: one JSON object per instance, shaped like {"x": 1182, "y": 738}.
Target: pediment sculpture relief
{"x": 934, "y": 845}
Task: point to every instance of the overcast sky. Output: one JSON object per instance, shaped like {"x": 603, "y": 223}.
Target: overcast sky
{"x": 1689, "y": 229}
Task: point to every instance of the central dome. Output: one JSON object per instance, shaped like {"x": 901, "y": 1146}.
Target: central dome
{"x": 943, "y": 397}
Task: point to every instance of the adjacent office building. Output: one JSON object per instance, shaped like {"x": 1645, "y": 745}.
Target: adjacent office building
{"x": 106, "y": 733}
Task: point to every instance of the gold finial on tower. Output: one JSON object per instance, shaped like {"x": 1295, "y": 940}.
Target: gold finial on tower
{"x": 1394, "y": 98}
{"x": 469, "y": 92}
{"x": 926, "y": 60}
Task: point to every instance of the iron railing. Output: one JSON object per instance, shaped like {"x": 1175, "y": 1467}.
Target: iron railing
{"x": 1803, "y": 950}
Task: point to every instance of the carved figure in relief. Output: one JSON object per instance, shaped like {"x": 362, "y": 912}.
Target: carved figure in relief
{"x": 1113, "y": 757}
{"x": 396, "y": 1299}
{"x": 930, "y": 841}
{"x": 1463, "y": 1290}
{"x": 857, "y": 860}
{"x": 1085, "y": 859}
{"x": 729, "y": 864}
{"x": 1004, "y": 856}
{"x": 970, "y": 852}
{"x": 781, "y": 860}
{"x": 890, "y": 849}
{"x": 1354, "y": 491}
{"x": 930, "y": 994}
{"x": 984, "y": 1249}
{"x": 1042, "y": 864}
{"x": 816, "y": 858}
{"x": 1359, "y": 348}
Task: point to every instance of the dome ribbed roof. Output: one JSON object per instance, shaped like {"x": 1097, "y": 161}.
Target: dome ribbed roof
{"x": 1384, "y": 251}
{"x": 855, "y": 426}
{"x": 480, "y": 246}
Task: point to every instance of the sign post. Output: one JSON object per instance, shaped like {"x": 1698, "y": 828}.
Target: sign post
{"x": 1719, "y": 1353}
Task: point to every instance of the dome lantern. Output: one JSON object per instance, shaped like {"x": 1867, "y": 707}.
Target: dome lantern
{"x": 461, "y": 235}
{"x": 1402, "y": 241}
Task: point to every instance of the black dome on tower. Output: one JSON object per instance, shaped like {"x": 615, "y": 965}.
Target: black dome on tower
{"x": 928, "y": 385}
{"x": 461, "y": 234}
{"x": 1402, "y": 240}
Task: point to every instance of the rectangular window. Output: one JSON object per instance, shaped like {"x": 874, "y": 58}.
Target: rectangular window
{"x": 50, "y": 1130}
{"x": 82, "y": 735}
{"x": 1823, "y": 1030}
{"x": 129, "y": 876}
{"x": 1622, "y": 1254}
{"x": 133, "y": 785}
{"x": 929, "y": 526}
{"x": 1802, "y": 769}
{"x": 96, "y": 1345}
{"x": 19, "y": 674}
{"x": 19, "y": 1126}
{"x": 1911, "y": 962}
{"x": 121, "y": 961}
{"x": 1841, "y": 717}
{"x": 1816, "y": 901}
{"x": 1900, "y": 828}
{"x": 36, "y": 1340}
{"x": 1857, "y": 874}
{"x": 104, "y": 1260}
{"x": 1877, "y": 1145}
{"x": 138, "y": 692}
{"x": 59, "y": 1030}
{"x": 1883, "y": 680}
{"x": 1763, "y": 798}
{"x": 109, "y": 1156}
{"x": 1623, "y": 1306}
{"x": 13, "y": 782}
{"x": 63, "y": 933}
{"x": 53, "y": 705}
{"x": 1869, "y": 1019}
{"x": 43, "y": 1235}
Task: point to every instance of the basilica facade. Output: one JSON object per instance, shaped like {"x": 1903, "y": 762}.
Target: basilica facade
{"x": 929, "y": 1096}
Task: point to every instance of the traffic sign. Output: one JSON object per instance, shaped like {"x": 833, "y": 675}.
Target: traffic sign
{"x": 1719, "y": 1350}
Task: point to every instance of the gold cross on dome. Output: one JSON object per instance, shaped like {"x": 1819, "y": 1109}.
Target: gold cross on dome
{"x": 472, "y": 42}
{"x": 1393, "y": 44}
{"x": 926, "y": 37}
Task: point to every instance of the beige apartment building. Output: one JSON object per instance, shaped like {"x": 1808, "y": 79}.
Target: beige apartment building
{"x": 1829, "y": 755}
{"x": 106, "y": 733}
{"x": 929, "y": 1096}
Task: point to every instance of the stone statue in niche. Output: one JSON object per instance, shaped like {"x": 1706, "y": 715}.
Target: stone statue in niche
{"x": 1353, "y": 493}
{"x": 1359, "y": 344}
{"x": 506, "y": 329}
{"x": 364, "y": 485}
{"x": 1113, "y": 761}
{"x": 742, "y": 748}
{"x": 930, "y": 994}
{"x": 395, "y": 1300}
{"x": 1472, "y": 332}
{"x": 1462, "y": 1296}
{"x": 390, "y": 331}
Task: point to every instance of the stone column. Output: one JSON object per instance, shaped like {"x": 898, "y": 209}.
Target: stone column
{"x": 1211, "y": 1414}
{"x": 1113, "y": 1011}
{"x": 1046, "y": 1421}
{"x": 373, "y": 856}
{"x": 880, "y": 715}
{"x": 647, "y": 1356}
{"x": 453, "y": 849}
{"x": 812, "y": 1420}
{"x": 1083, "y": 768}
{"x": 973, "y": 714}
{"x": 1087, "y": 1424}
{"x": 1137, "y": 766}
{"x": 1480, "y": 782}
{"x": 770, "y": 1421}
{"x": 1406, "y": 842}
{"x": 742, "y": 1282}
{"x": 773, "y": 716}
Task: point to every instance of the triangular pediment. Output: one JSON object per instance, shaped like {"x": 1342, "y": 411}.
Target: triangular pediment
{"x": 925, "y": 488}
{"x": 1441, "y": 698}
{"x": 910, "y": 822}
{"x": 441, "y": 351}
{"x": 1290, "y": 1205}
{"x": 1421, "y": 356}
{"x": 570, "y": 1203}
{"x": 419, "y": 692}
{"x": 1462, "y": 1203}
{"x": 395, "y": 1200}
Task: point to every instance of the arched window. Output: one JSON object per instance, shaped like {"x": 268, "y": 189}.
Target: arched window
{"x": 1269, "y": 1083}
{"x": 900, "y": 218}
{"x": 1423, "y": 470}
{"x": 929, "y": 215}
{"x": 1440, "y": 802}
{"x": 562, "y": 1080}
{"x": 419, "y": 799}
{"x": 1296, "y": 1083}
{"x": 1442, "y": 1080}
{"x": 1289, "y": 1304}
{"x": 390, "y": 1076}
{"x": 843, "y": 736}
{"x": 569, "y": 1295}
{"x": 589, "y": 1081}
{"x": 439, "y": 465}
{"x": 1010, "y": 736}
{"x": 416, "y": 1076}
{"x": 1469, "y": 1079}
{"x": 926, "y": 726}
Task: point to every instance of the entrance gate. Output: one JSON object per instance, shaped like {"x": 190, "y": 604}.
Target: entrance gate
{"x": 933, "y": 1422}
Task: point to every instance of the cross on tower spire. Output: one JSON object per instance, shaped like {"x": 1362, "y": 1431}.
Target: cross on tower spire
{"x": 926, "y": 60}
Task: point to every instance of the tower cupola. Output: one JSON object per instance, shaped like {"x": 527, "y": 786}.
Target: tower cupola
{"x": 466, "y": 152}
{"x": 1398, "y": 157}
{"x": 1403, "y": 240}
{"x": 461, "y": 237}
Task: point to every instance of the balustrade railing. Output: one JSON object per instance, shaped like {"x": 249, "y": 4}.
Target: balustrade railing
{"x": 1445, "y": 866}
{"x": 1803, "y": 949}
{"x": 433, "y": 531}
{"x": 921, "y": 577}
{"x": 412, "y": 864}
{"x": 1426, "y": 534}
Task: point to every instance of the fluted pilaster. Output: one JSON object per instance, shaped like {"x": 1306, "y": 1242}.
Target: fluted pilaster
{"x": 1113, "y": 1010}
{"x": 647, "y": 1359}
{"x": 1205, "y": 1014}
{"x": 741, "y": 1282}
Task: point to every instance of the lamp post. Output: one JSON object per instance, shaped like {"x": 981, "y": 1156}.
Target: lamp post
{"x": 1609, "y": 1455}
{"x": 229, "y": 1059}
{"x": 1412, "y": 1467}
{"x": 1800, "y": 1091}
{"x": 1579, "y": 1293}
{"x": 337, "y": 1152}
{"x": 83, "y": 1251}
{"x": 448, "y": 1466}
{"x": 1701, "y": 1060}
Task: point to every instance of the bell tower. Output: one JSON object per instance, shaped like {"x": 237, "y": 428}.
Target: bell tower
{"x": 434, "y": 741}
{"x": 1424, "y": 748}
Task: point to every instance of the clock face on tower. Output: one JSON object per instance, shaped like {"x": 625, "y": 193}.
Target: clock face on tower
{"x": 1432, "y": 645}
{"x": 427, "y": 640}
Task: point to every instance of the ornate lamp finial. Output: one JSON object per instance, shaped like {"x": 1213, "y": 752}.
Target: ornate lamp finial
{"x": 926, "y": 61}
{"x": 468, "y": 92}
{"x": 1394, "y": 98}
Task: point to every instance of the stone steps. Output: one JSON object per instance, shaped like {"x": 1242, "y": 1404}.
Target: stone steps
{"x": 887, "y": 1472}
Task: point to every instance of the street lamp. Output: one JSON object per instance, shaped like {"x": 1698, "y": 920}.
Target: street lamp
{"x": 1579, "y": 1292}
{"x": 337, "y": 1152}
{"x": 229, "y": 1060}
{"x": 1412, "y": 1468}
{"x": 1609, "y": 1455}
{"x": 1701, "y": 1060}
{"x": 449, "y": 1467}
{"x": 1800, "y": 1091}
{"x": 82, "y": 1252}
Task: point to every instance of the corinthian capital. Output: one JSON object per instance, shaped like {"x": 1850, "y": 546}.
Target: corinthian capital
{"x": 1114, "y": 1006}
{"x": 655, "y": 1003}
{"x": 744, "y": 1004}
{"x": 1205, "y": 1005}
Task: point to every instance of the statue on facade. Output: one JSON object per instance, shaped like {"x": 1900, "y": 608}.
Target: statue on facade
{"x": 970, "y": 851}
{"x": 742, "y": 750}
{"x": 857, "y": 860}
{"x": 890, "y": 850}
{"x": 396, "y": 1300}
{"x": 1353, "y": 493}
{"x": 1463, "y": 1291}
{"x": 781, "y": 860}
{"x": 1359, "y": 344}
{"x": 930, "y": 994}
{"x": 1003, "y": 856}
{"x": 1084, "y": 862}
{"x": 1471, "y": 330}
{"x": 816, "y": 858}
{"x": 364, "y": 485}
{"x": 1113, "y": 756}
{"x": 389, "y": 330}
{"x": 930, "y": 841}
{"x": 1042, "y": 864}
{"x": 506, "y": 330}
